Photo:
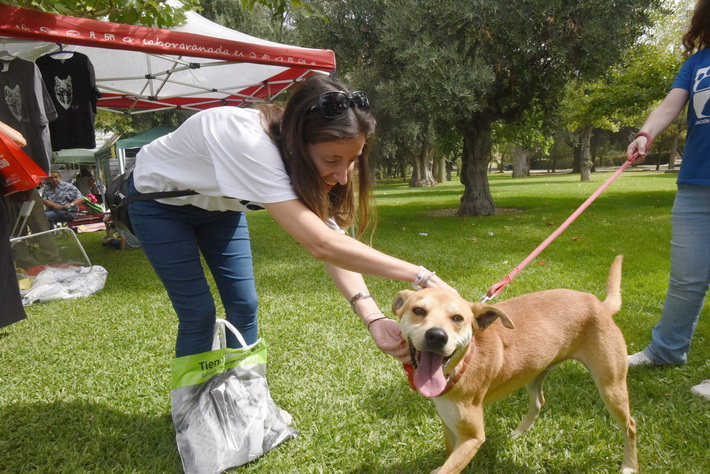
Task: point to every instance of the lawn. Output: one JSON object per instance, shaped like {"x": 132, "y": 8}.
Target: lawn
{"x": 85, "y": 383}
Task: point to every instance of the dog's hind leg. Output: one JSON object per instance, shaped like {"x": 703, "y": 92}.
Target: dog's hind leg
{"x": 537, "y": 400}
{"x": 608, "y": 369}
{"x": 616, "y": 399}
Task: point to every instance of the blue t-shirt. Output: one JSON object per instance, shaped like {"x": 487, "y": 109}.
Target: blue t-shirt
{"x": 694, "y": 76}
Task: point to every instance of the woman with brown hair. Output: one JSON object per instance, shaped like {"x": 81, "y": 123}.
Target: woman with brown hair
{"x": 690, "y": 218}
{"x": 304, "y": 165}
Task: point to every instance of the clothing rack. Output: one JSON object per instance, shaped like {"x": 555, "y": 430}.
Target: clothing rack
{"x": 61, "y": 50}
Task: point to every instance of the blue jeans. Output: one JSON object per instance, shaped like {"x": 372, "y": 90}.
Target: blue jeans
{"x": 55, "y": 216}
{"x": 690, "y": 276}
{"x": 173, "y": 238}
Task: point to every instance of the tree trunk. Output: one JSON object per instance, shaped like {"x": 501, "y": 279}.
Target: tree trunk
{"x": 585, "y": 152}
{"x": 501, "y": 162}
{"x": 593, "y": 150}
{"x": 477, "y": 146}
{"x": 521, "y": 163}
{"x": 422, "y": 175}
{"x": 416, "y": 170}
{"x": 576, "y": 154}
{"x": 440, "y": 169}
{"x": 674, "y": 145}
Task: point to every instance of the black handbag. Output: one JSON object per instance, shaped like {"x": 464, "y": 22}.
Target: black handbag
{"x": 118, "y": 200}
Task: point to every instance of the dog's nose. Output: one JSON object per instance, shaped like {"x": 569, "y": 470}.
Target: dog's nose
{"x": 436, "y": 337}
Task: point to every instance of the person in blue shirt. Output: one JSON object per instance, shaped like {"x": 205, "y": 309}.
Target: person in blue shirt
{"x": 61, "y": 200}
{"x": 690, "y": 218}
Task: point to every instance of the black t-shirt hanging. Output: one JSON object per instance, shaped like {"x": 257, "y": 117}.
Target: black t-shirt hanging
{"x": 72, "y": 85}
{"x": 26, "y": 106}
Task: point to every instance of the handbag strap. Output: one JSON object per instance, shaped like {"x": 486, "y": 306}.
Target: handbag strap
{"x": 155, "y": 195}
{"x": 219, "y": 339}
{"x": 159, "y": 195}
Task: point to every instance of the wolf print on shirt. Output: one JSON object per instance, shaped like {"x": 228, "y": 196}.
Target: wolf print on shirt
{"x": 13, "y": 99}
{"x": 701, "y": 96}
{"x": 63, "y": 91}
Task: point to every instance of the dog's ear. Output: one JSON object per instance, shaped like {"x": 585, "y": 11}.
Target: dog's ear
{"x": 485, "y": 315}
{"x": 399, "y": 300}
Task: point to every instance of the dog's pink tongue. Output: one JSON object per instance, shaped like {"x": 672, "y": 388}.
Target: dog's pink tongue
{"x": 429, "y": 376}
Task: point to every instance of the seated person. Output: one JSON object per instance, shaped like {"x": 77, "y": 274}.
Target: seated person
{"x": 86, "y": 184}
{"x": 60, "y": 200}
{"x": 118, "y": 239}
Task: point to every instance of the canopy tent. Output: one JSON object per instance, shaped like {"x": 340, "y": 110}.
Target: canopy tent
{"x": 99, "y": 157}
{"x": 85, "y": 156}
{"x": 193, "y": 66}
{"x": 137, "y": 141}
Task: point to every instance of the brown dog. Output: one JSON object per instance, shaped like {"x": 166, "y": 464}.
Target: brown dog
{"x": 468, "y": 355}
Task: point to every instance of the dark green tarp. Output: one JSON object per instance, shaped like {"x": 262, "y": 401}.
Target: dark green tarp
{"x": 144, "y": 138}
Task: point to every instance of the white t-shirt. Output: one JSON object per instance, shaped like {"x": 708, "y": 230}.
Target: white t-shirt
{"x": 222, "y": 153}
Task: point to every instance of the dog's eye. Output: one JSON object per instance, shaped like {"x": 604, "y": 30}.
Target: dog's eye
{"x": 457, "y": 318}
{"x": 419, "y": 311}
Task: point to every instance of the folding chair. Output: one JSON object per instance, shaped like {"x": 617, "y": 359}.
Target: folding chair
{"x": 23, "y": 215}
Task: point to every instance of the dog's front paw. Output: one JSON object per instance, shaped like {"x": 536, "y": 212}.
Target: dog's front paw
{"x": 436, "y": 471}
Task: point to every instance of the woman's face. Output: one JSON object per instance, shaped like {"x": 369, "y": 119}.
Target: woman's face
{"x": 335, "y": 160}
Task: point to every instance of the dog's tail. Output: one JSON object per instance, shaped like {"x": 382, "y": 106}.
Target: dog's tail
{"x": 613, "y": 286}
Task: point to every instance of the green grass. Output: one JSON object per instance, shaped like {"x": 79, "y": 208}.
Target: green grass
{"x": 85, "y": 384}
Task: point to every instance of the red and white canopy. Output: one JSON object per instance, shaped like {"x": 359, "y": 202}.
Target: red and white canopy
{"x": 194, "y": 66}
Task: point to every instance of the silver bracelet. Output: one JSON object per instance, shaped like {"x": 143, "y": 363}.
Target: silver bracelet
{"x": 359, "y": 296}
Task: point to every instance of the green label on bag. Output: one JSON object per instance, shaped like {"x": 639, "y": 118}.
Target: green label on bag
{"x": 198, "y": 368}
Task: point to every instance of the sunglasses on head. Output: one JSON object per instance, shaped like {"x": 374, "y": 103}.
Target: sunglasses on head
{"x": 336, "y": 104}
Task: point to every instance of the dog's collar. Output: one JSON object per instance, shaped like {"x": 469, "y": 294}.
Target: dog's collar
{"x": 460, "y": 369}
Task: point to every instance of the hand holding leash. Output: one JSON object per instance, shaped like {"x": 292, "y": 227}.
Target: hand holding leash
{"x": 638, "y": 148}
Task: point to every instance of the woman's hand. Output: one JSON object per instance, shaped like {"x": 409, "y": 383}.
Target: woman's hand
{"x": 436, "y": 282}
{"x": 388, "y": 338}
{"x": 639, "y": 148}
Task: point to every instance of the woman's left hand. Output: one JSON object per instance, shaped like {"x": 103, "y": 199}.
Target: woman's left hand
{"x": 388, "y": 338}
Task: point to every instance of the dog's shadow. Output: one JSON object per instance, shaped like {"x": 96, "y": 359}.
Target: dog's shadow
{"x": 396, "y": 404}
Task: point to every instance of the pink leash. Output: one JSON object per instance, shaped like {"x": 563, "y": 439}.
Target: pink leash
{"x": 496, "y": 289}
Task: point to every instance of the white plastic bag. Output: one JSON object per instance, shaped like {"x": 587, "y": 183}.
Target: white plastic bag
{"x": 222, "y": 409}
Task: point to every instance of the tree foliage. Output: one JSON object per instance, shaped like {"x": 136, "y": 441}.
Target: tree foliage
{"x": 471, "y": 63}
{"x": 159, "y": 13}
{"x": 625, "y": 94}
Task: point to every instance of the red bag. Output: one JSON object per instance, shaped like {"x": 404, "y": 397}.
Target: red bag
{"x": 21, "y": 173}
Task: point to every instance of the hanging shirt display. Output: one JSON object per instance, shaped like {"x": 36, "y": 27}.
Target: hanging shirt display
{"x": 71, "y": 83}
{"x": 26, "y": 106}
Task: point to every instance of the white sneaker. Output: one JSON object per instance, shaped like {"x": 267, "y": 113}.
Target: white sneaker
{"x": 639, "y": 359}
{"x": 702, "y": 389}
